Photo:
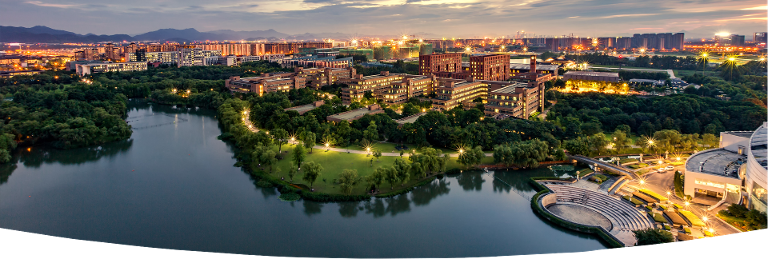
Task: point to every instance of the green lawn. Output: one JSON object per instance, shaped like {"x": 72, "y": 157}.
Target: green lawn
{"x": 334, "y": 163}
{"x": 390, "y": 148}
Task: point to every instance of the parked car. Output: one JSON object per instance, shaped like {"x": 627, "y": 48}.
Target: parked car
{"x": 670, "y": 168}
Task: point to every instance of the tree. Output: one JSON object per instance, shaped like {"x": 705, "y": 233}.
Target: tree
{"x": 311, "y": 170}
{"x": 293, "y": 171}
{"x": 347, "y": 180}
{"x": 709, "y": 139}
{"x": 376, "y": 154}
{"x": 560, "y": 155}
{"x": 471, "y": 157}
{"x": 620, "y": 140}
{"x": 391, "y": 177}
{"x": 299, "y": 154}
{"x": 418, "y": 170}
{"x": 263, "y": 155}
{"x": 281, "y": 138}
{"x": 652, "y": 236}
{"x": 403, "y": 171}
{"x": 377, "y": 177}
{"x": 309, "y": 140}
{"x": 371, "y": 133}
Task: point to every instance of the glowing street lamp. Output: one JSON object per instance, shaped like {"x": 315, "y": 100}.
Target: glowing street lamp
{"x": 461, "y": 151}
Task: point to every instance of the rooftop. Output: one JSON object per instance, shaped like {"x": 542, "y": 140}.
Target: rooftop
{"x": 528, "y": 66}
{"x": 719, "y": 162}
{"x": 351, "y": 115}
{"x": 410, "y": 119}
{"x": 301, "y": 109}
{"x": 743, "y": 134}
{"x": 592, "y": 73}
{"x": 509, "y": 88}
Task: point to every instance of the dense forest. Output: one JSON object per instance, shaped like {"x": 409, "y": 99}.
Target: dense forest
{"x": 68, "y": 116}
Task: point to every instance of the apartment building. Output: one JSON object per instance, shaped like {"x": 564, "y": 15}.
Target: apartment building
{"x": 319, "y": 77}
{"x": 489, "y": 67}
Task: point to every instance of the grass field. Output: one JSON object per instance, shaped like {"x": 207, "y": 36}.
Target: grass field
{"x": 334, "y": 163}
{"x": 390, "y": 148}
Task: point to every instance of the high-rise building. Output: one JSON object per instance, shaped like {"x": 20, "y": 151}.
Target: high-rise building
{"x": 760, "y": 37}
{"x": 737, "y": 40}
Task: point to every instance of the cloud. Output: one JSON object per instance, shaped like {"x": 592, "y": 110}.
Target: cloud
{"x": 764, "y": 7}
{"x": 626, "y": 15}
{"x": 39, "y": 3}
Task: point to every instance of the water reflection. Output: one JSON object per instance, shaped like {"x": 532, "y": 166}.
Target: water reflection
{"x": 34, "y": 157}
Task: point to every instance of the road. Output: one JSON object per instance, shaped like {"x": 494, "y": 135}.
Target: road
{"x": 669, "y": 71}
{"x": 663, "y": 182}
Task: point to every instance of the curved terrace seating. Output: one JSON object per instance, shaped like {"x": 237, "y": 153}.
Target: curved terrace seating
{"x": 623, "y": 216}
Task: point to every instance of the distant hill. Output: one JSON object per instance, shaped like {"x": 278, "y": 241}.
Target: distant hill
{"x": 45, "y": 34}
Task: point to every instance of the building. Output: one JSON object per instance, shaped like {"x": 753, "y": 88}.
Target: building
{"x": 189, "y": 56}
{"x": 433, "y": 63}
{"x": 319, "y": 77}
{"x": 493, "y": 67}
{"x": 760, "y": 37}
{"x": 302, "y": 109}
{"x": 355, "y": 114}
{"x": 358, "y": 85}
{"x": 83, "y": 69}
{"x": 237, "y": 49}
{"x": 515, "y": 99}
{"x": 660, "y": 41}
{"x": 9, "y": 74}
{"x": 409, "y": 119}
{"x": 735, "y": 172}
{"x": 450, "y": 93}
{"x": 592, "y": 76}
{"x": 518, "y": 69}
{"x": 267, "y": 83}
{"x": 87, "y": 54}
{"x": 320, "y": 62}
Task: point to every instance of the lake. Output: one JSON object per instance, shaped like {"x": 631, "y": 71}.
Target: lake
{"x": 173, "y": 185}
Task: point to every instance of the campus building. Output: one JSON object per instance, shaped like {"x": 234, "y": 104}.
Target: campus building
{"x": 434, "y": 63}
{"x": 493, "y": 67}
{"x": 592, "y": 76}
{"x": 302, "y": 109}
{"x": 451, "y": 93}
{"x": 319, "y": 77}
{"x": 83, "y": 69}
{"x": 735, "y": 172}
{"x": 514, "y": 99}
{"x": 267, "y": 83}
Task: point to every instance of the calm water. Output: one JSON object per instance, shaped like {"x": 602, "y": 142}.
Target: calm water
{"x": 172, "y": 185}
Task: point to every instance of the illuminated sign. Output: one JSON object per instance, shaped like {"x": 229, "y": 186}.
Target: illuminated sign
{"x": 711, "y": 184}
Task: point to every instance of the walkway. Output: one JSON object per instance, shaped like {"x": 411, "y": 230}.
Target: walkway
{"x": 606, "y": 166}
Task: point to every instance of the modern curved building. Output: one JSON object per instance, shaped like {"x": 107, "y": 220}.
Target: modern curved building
{"x": 735, "y": 172}
{"x": 757, "y": 169}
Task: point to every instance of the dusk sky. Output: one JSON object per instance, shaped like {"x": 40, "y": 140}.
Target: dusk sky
{"x": 441, "y": 18}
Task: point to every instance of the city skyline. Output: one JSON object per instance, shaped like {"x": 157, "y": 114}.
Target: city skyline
{"x": 428, "y": 19}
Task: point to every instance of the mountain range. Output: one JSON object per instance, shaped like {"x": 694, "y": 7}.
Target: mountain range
{"x": 43, "y": 34}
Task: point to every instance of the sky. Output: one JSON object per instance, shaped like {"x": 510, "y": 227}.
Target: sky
{"x": 424, "y": 18}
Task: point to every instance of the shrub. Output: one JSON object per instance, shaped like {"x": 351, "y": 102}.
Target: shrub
{"x": 627, "y": 160}
{"x": 653, "y": 236}
{"x": 654, "y": 194}
{"x": 667, "y": 227}
{"x": 633, "y": 200}
{"x": 659, "y": 218}
{"x": 687, "y": 230}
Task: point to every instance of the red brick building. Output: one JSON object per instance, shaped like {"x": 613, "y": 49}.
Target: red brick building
{"x": 493, "y": 67}
{"x": 449, "y": 62}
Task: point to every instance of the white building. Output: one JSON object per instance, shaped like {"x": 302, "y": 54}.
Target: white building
{"x": 735, "y": 172}
{"x": 103, "y": 67}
